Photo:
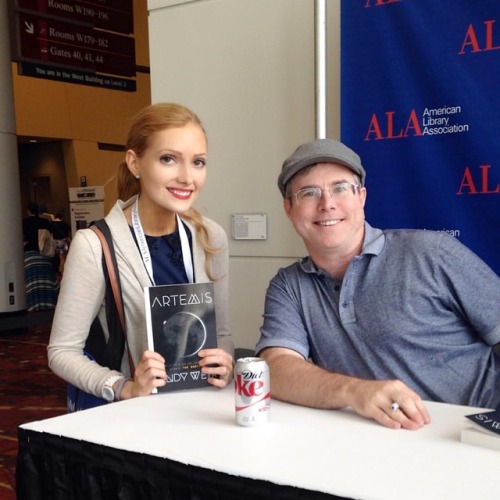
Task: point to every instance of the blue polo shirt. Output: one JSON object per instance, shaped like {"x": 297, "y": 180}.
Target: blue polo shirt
{"x": 415, "y": 305}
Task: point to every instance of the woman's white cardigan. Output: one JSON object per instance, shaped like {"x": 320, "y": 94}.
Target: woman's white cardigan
{"x": 81, "y": 298}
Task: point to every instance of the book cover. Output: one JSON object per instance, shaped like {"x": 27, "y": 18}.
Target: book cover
{"x": 488, "y": 420}
{"x": 486, "y": 430}
{"x": 180, "y": 322}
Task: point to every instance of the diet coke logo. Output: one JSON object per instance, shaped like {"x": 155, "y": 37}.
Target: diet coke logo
{"x": 249, "y": 384}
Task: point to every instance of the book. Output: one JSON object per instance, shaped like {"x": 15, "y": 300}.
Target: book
{"x": 180, "y": 322}
{"x": 486, "y": 430}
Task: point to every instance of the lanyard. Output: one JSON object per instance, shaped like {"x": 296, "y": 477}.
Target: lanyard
{"x": 144, "y": 249}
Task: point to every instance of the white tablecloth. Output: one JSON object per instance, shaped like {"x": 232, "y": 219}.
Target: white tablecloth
{"x": 336, "y": 452}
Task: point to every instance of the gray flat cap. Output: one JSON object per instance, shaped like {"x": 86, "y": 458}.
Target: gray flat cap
{"x": 319, "y": 151}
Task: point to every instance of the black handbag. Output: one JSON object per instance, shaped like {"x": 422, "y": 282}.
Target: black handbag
{"x": 108, "y": 353}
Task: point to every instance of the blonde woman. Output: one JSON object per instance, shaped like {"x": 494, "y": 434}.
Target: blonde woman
{"x": 164, "y": 171}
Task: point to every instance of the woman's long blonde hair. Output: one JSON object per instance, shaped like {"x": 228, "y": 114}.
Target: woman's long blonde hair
{"x": 156, "y": 118}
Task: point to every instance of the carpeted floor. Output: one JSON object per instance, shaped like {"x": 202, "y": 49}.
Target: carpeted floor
{"x": 29, "y": 391}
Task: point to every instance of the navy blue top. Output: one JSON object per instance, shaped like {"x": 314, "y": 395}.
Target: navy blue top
{"x": 166, "y": 256}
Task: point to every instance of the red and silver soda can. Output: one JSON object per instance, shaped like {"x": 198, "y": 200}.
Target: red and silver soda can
{"x": 252, "y": 390}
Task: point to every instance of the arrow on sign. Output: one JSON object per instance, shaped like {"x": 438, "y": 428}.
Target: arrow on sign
{"x": 29, "y": 27}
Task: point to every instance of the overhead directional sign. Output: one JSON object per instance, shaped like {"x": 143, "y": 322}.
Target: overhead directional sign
{"x": 82, "y": 77}
{"x": 73, "y": 45}
{"x": 77, "y": 41}
{"x": 112, "y": 15}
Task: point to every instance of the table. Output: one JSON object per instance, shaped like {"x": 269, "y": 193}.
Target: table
{"x": 319, "y": 452}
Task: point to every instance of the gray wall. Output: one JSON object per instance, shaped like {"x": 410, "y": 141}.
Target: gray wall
{"x": 247, "y": 68}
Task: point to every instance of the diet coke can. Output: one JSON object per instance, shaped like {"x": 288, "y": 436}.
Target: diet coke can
{"x": 252, "y": 391}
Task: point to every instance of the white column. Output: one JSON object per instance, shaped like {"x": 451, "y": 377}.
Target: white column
{"x": 12, "y": 285}
{"x": 320, "y": 67}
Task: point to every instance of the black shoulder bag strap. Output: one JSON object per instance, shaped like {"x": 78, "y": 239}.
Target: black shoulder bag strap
{"x": 110, "y": 353}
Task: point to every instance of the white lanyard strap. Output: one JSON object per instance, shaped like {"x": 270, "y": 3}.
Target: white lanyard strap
{"x": 141, "y": 241}
{"x": 144, "y": 249}
{"x": 186, "y": 250}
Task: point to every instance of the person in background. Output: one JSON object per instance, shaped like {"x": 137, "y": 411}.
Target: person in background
{"x": 41, "y": 284}
{"x": 164, "y": 171}
{"x": 44, "y": 212}
{"x": 62, "y": 235}
{"x": 376, "y": 320}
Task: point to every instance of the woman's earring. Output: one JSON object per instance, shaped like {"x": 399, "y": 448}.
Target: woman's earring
{"x": 137, "y": 176}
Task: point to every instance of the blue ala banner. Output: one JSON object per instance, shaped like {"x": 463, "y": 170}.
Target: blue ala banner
{"x": 420, "y": 103}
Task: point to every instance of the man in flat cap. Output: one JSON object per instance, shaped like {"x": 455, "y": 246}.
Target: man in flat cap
{"x": 379, "y": 321}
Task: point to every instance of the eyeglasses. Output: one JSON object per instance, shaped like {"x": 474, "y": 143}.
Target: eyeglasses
{"x": 314, "y": 194}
